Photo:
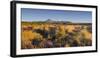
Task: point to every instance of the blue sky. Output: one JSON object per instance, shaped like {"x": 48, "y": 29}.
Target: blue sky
{"x": 28, "y": 14}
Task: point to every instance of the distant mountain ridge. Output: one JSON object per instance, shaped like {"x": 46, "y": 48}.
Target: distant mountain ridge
{"x": 52, "y": 21}
{"x": 58, "y": 22}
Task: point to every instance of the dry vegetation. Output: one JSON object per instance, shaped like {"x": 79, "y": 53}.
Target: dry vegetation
{"x": 48, "y": 35}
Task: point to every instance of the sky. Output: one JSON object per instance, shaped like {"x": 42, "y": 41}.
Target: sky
{"x": 28, "y": 14}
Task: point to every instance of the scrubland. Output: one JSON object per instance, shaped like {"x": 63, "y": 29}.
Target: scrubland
{"x": 51, "y": 35}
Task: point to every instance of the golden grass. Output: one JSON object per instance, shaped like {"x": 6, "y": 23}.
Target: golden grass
{"x": 28, "y": 35}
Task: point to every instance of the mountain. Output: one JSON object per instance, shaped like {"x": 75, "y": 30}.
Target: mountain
{"x": 49, "y": 20}
{"x": 52, "y": 21}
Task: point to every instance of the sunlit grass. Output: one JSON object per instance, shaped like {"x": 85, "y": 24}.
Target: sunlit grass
{"x": 63, "y": 35}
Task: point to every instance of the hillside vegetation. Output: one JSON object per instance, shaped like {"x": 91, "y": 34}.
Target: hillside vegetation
{"x": 52, "y": 35}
